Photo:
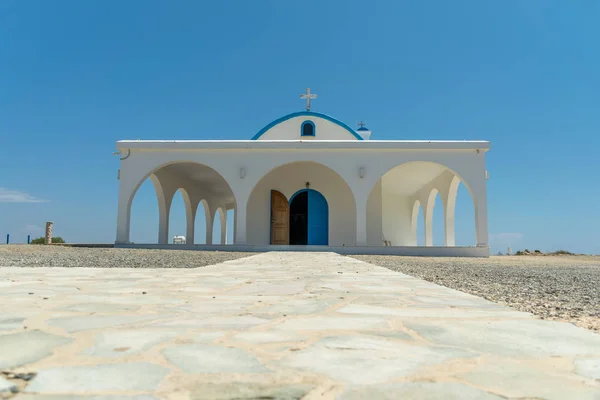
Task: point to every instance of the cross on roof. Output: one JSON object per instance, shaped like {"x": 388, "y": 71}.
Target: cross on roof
{"x": 308, "y": 96}
{"x": 361, "y": 124}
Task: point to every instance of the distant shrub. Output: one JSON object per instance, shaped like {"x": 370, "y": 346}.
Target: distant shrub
{"x": 42, "y": 240}
{"x": 537, "y": 251}
{"x": 563, "y": 253}
{"x": 519, "y": 253}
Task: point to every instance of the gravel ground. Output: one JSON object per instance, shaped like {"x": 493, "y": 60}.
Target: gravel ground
{"x": 59, "y": 256}
{"x": 565, "y": 288}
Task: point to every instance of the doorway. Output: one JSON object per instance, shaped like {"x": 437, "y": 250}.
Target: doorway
{"x": 304, "y": 220}
{"x": 299, "y": 219}
{"x": 309, "y": 218}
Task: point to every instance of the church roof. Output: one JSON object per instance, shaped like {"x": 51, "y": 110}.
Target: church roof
{"x": 309, "y": 114}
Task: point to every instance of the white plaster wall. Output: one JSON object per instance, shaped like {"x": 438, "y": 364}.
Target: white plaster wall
{"x": 290, "y": 130}
{"x": 397, "y": 218}
{"x": 290, "y": 178}
{"x": 374, "y": 221}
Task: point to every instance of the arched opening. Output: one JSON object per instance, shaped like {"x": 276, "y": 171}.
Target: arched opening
{"x": 409, "y": 193}
{"x": 309, "y": 218}
{"x": 288, "y": 179}
{"x": 196, "y": 182}
{"x": 177, "y": 216}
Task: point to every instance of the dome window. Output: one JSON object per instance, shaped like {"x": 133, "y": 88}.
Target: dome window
{"x": 307, "y": 129}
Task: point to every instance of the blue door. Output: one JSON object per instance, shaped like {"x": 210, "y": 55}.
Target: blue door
{"x": 318, "y": 219}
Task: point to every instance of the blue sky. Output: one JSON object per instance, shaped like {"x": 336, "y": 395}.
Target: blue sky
{"x": 76, "y": 76}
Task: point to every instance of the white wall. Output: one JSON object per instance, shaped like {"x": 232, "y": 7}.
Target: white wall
{"x": 290, "y": 130}
{"x": 396, "y": 218}
{"x": 290, "y": 178}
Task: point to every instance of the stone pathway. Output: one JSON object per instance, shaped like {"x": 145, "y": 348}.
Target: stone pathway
{"x": 280, "y": 326}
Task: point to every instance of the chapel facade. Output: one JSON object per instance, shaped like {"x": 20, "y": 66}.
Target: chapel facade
{"x": 308, "y": 181}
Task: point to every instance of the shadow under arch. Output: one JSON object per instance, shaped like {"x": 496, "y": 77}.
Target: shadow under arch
{"x": 401, "y": 184}
{"x": 195, "y": 181}
{"x": 289, "y": 178}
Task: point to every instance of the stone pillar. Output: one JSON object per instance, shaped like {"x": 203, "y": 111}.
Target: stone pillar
{"x": 48, "y": 237}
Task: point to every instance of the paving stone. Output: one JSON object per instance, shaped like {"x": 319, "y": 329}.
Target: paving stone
{"x": 267, "y": 337}
{"x": 590, "y": 368}
{"x": 511, "y": 337}
{"x": 26, "y": 396}
{"x": 83, "y": 323}
{"x": 333, "y": 323}
{"x": 207, "y": 337}
{"x": 432, "y": 312}
{"x": 98, "y": 378}
{"x": 514, "y": 379}
{"x": 17, "y": 349}
{"x": 100, "y": 307}
{"x": 457, "y": 301}
{"x": 11, "y": 323}
{"x": 204, "y": 358}
{"x": 268, "y": 289}
{"x": 248, "y": 391}
{"x": 391, "y": 334}
{"x": 233, "y": 322}
{"x": 295, "y": 306}
{"x": 6, "y": 386}
{"x": 126, "y": 342}
{"x": 363, "y": 360}
{"x": 421, "y": 391}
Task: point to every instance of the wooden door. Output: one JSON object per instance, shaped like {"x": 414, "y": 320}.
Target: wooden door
{"x": 280, "y": 219}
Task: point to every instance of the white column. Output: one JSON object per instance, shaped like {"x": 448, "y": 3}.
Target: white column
{"x": 449, "y": 201}
{"x": 208, "y": 217}
{"x": 223, "y": 219}
{"x": 190, "y": 216}
{"x": 240, "y": 217}
{"x": 164, "y": 206}
{"x": 428, "y": 205}
{"x": 481, "y": 220}
{"x": 361, "y": 219}
{"x": 124, "y": 211}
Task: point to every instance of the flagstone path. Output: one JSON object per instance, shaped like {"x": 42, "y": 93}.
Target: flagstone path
{"x": 277, "y": 326}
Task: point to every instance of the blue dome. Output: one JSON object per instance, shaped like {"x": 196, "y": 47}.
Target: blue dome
{"x": 363, "y": 128}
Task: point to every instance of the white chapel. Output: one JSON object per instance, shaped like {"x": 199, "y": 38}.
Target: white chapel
{"x": 307, "y": 181}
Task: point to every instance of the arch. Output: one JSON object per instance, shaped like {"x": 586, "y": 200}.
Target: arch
{"x": 188, "y": 216}
{"x": 407, "y": 163}
{"x": 172, "y": 176}
{"x": 411, "y": 185}
{"x": 307, "y": 114}
{"x": 289, "y": 178}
